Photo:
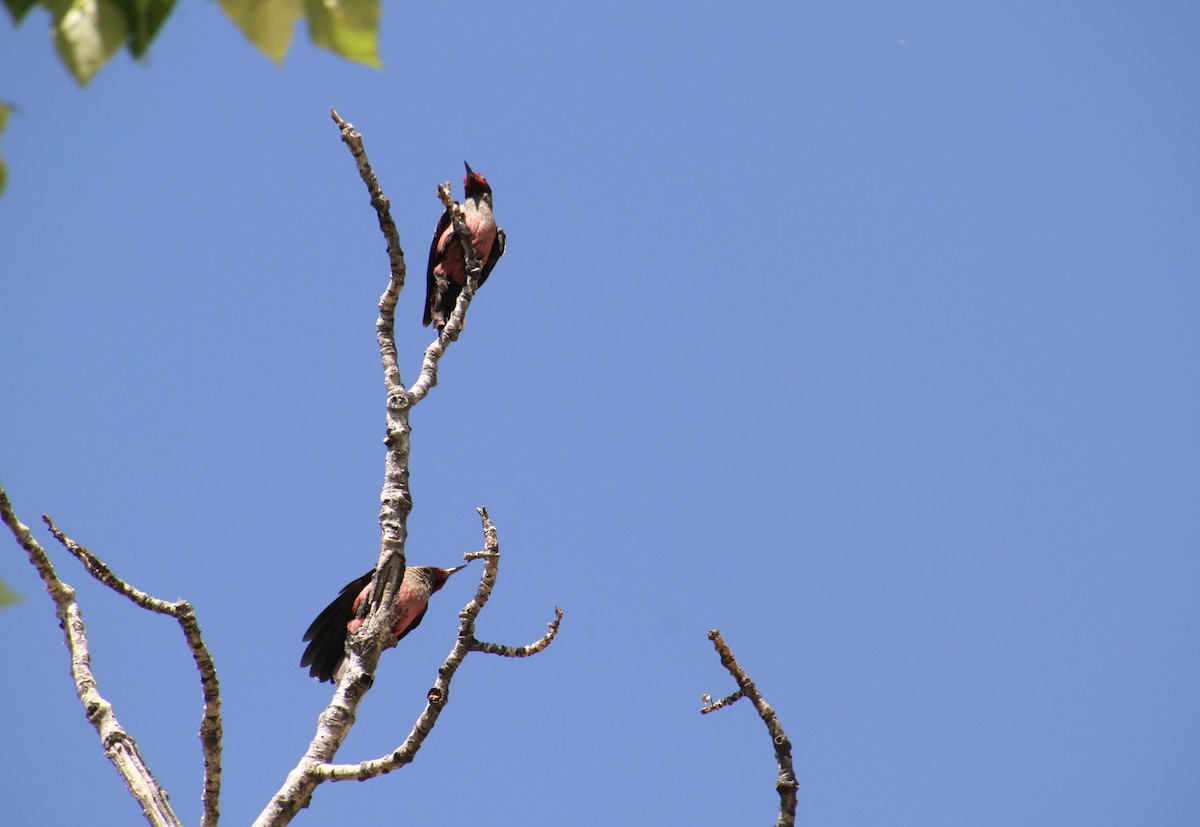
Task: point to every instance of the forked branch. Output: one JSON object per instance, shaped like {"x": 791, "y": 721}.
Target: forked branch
{"x": 439, "y": 693}
{"x": 786, "y": 784}
{"x": 182, "y": 611}
{"x": 119, "y": 746}
{"x": 366, "y": 645}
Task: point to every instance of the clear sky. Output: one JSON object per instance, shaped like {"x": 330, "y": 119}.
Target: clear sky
{"x": 866, "y": 333}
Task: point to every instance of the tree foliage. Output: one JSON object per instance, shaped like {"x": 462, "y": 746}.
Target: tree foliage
{"x": 7, "y": 595}
{"x": 87, "y": 33}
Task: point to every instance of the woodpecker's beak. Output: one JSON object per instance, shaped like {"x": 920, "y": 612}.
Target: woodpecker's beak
{"x": 456, "y": 568}
{"x": 469, "y": 170}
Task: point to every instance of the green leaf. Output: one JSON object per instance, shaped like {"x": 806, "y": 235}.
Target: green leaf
{"x": 269, "y": 24}
{"x": 18, "y": 8}
{"x": 87, "y": 33}
{"x": 349, "y": 28}
{"x": 8, "y": 596}
{"x": 145, "y": 18}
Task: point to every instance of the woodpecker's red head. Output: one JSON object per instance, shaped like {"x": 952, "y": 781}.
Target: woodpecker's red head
{"x": 475, "y": 184}
{"x": 440, "y": 576}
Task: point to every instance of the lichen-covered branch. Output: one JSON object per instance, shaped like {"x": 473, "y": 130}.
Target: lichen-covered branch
{"x": 375, "y": 634}
{"x": 182, "y": 611}
{"x": 786, "y": 784}
{"x": 439, "y": 694}
{"x": 395, "y": 504}
{"x": 383, "y": 211}
{"x": 709, "y": 705}
{"x": 395, "y": 498}
{"x": 366, "y": 645}
{"x": 118, "y": 746}
{"x": 507, "y": 651}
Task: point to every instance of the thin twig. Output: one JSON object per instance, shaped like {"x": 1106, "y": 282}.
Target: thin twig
{"x": 786, "y": 784}
{"x": 712, "y": 706}
{"x": 473, "y": 267}
{"x": 119, "y": 746}
{"x": 182, "y": 611}
{"x": 453, "y": 327}
{"x": 383, "y": 210}
{"x": 507, "y": 651}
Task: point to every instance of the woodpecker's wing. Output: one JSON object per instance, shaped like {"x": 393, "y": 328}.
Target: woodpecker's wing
{"x": 435, "y": 254}
{"x": 328, "y": 632}
{"x": 497, "y": 251}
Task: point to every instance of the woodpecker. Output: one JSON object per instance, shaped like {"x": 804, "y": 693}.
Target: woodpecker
{"x": 447, "y": 272}
{"x": 328, "y": 632}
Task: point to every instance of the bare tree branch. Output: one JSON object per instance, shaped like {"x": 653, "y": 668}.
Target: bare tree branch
{"x": 439, "y": 694}
{"x": 709, "y": 705}
{"x": 786, "y": 784}
{"x": 118, "y": 745}
{"x": 433, "y": 354}
{"x": 182, "y": 611}
{"x": 366, "y": 644}
{"x": 395, "y": 498}
{"x": 353, "y": 140}
{"x": 521, "y": 651}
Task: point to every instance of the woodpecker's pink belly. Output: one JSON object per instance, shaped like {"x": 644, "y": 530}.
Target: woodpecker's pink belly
{"x": 410, "y": 602}
{"x": 409, "y": 605}
{"x": 453, "y": 266}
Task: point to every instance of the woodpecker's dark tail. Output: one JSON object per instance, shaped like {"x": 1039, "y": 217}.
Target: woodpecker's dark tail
{"x": 327, "y": 634}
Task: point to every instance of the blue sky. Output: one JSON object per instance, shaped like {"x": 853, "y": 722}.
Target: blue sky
{"x": 866, "y": 333}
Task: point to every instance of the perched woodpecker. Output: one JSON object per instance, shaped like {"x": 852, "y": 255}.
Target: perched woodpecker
{"x": 328, "y": 632}
{"x": 447, "y": 272}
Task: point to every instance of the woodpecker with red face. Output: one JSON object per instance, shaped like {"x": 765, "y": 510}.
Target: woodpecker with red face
{"x": 327, "y": 649}
{"x": 447, "y": 272}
